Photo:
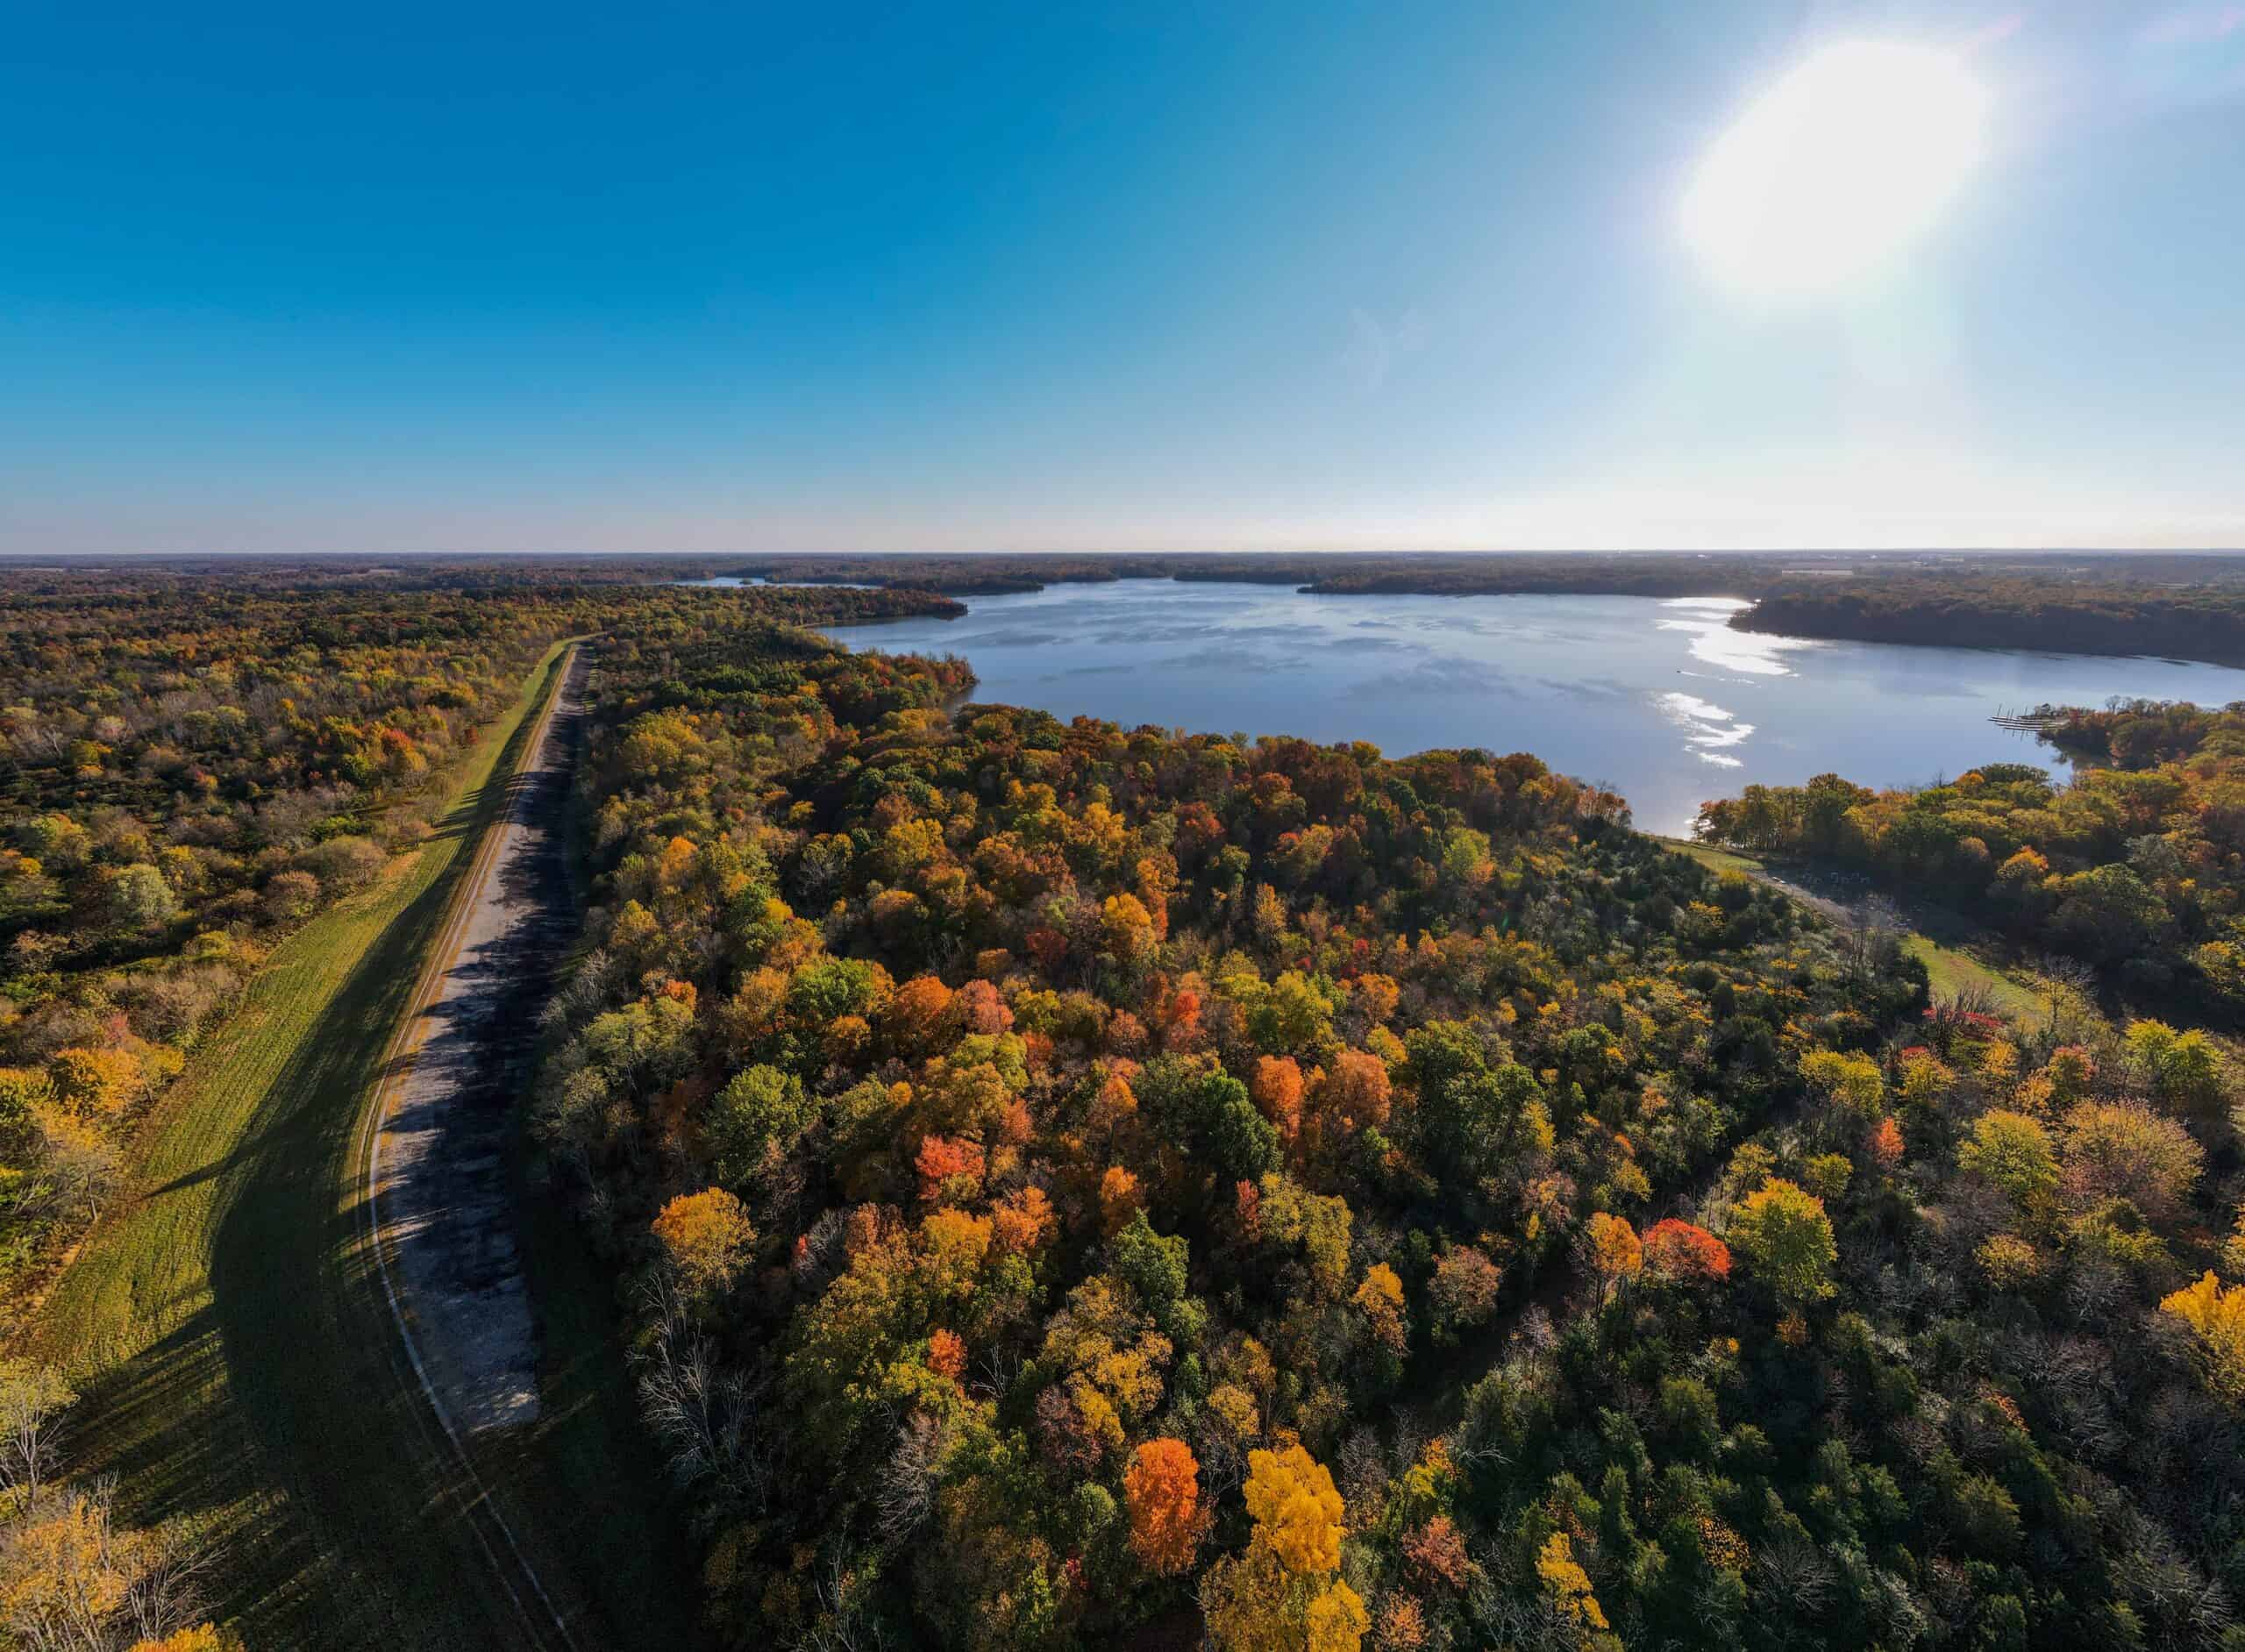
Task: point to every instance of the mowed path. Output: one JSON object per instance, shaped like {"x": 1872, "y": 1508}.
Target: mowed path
{"x": 230, "y": 1330}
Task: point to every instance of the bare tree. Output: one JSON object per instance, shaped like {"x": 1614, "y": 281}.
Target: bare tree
{"x": 32, "y": 1400}
{"x": 710, "y": 1418}
{"x": 844, "y": 1625}
{"x": 908, "y": 1481}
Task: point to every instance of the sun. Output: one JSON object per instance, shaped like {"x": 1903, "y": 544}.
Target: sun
{"x": 1831, "y": 172}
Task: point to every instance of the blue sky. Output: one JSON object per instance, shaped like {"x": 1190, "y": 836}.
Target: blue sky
{"x": 722, "y": 278}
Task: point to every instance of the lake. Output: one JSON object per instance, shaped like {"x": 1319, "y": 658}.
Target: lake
{"x": 1660, "y": 700}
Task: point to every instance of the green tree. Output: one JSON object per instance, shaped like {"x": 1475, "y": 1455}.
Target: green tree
{"x": 760, "y": 1109}
{"x": 1782, "y": 1229}
{"x": 139, "y": 898}
{"x": 2012, "y": 1151}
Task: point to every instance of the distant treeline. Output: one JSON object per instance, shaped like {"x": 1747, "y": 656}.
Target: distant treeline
{"x": 2084, "y": 616}
{"x": 2183, "y": 607}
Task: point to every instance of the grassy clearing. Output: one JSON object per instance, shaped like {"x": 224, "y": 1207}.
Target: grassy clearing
{"x": 238, "y": 1368}
{"x": 1951, "y": 971}
{"x": 1954, "y": 973}
{"x": 1715, "y": 860}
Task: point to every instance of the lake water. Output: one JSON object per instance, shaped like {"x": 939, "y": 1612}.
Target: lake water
{"x": 1660, "y": 700}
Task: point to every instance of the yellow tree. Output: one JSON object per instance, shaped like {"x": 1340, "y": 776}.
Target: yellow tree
{"x": 1854, "y": 1082}
{"x": 1567, "y": 1583}
{"x": 1615, "y": 1251}
{"x": 71, "y": 1576}
{"x": 202, "y": 1638}
{"x": 2013, "y": 1151}
{"x": 705, "y": 1236}
{"x": 1380, "y": 1299}
{"x": 1127, "y": 930}
{"x": 33, "y": 1399}
{"x": 94, "y": 1081}
{"x": 1282, "y": 1595}
{"x": 2217, "y": 1317}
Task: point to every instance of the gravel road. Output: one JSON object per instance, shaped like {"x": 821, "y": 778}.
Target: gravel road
{"x": 440, "y": 1157}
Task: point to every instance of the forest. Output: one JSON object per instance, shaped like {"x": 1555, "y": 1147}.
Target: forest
{"x": 1083, "y": 1185}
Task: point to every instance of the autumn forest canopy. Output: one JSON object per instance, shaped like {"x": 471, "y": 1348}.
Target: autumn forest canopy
{"x": 1066, "y": 1184}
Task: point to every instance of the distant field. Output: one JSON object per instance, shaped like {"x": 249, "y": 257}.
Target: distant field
{"x": 1949, "y": 970}
{"x": 239, "y": 1373}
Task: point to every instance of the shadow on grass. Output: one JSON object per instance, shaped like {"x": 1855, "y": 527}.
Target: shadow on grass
{"x": 277, "y": 1420}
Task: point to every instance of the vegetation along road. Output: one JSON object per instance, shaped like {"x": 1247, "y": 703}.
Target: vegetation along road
{"x": 233, "y": 1331}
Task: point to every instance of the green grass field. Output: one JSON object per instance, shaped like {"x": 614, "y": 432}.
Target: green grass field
{"x": 1713, "y": 859}
{"x": 1952, "y": 972}
{"x": 239, "y": 1367}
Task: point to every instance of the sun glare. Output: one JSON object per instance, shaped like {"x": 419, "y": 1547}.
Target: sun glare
{"x": 1836, "y": 168}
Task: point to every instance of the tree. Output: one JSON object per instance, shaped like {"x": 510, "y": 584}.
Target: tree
{"x": 1884, "y": 1143}
{"x": 1380, "y": 1299}
{"x": 950, "y": 1169}
{"x": 1127, "y": 930}
{"x": 1281, "y": 1595}
{"x": 1153, "y": 1265}
{"x": 72, "y": 1578}
{"x": 1290, "y": 1496}
{"x": 1827, "y": 1174}
{"x": 920, "y": 1016}
{"x": 202, "y": 1638}
{"x": 94, "y": 1082}
{"x": 761, "y": 1109}
{"x": 2010, "y": 1262}
{"x": 1162, "y": 1487}
{"x": 2107, "y": 914}
{"x": 1213, "y": 1116}
{"x": 2012, "y": 1151}
{"x": 1785, "y": 1234}
{"x": 1680, "y": 1250}
{"x": 1354, "y": 1095}
{"x": 2122, "y": 1149}
{"x": 2216, "y": 1317}
{"x": 1567, "y": 1584}
{"x": 947, "y": 1354}
{"x": 1278, "y": 1090}
{"x": 33, "y": 1399}
{"x": 1435, "y": 1553}
{"x": 704, "y": 1236}
{"x": 1615, "y": 1253}
{"x": 290, "y": 895}
{"x": 2182, "y": 1069}
{"x": 1463, "y": 1292}
{"x": 1471, "y": 1116}
{"x": 140, "y": 900}
{"x": 1853, "y": 1081}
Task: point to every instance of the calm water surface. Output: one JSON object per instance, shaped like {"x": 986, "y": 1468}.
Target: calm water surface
{"x": 1658, "y": 700}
